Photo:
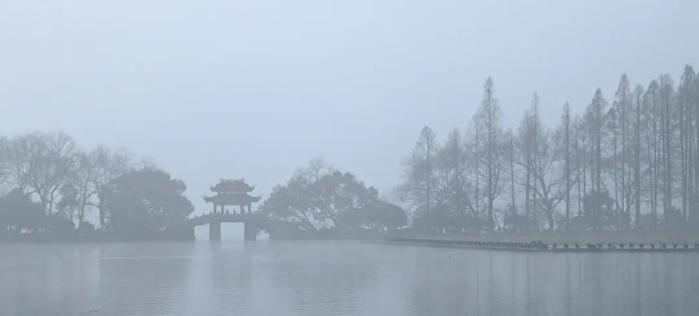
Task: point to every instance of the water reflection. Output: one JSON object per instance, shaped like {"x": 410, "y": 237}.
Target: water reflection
{"x": 338, "y": 278}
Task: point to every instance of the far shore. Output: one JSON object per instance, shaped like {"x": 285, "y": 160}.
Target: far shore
{"x": 547, "y": 238}
{"x": 565, "y": 237}
{"x": 557, "y": 241}
{"x": 95, "y": 237}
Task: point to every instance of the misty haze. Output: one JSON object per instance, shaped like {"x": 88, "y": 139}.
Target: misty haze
{"x": 349, "y": 157}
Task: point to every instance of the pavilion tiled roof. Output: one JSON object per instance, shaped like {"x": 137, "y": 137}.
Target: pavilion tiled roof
{"x": 232, "y": 186}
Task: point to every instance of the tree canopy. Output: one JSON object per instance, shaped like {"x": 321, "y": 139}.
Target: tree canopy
{"x": 328, "y": 199}
{"x": 144, "y": 200}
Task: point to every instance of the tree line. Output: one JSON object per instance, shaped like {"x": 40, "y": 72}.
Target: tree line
{"x": 628, "y": 163}
{"x": 631, "y": 162}
{"x": 50, "y": 187}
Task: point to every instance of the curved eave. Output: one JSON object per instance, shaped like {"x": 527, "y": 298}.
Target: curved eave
{"x": 232, "y": 199}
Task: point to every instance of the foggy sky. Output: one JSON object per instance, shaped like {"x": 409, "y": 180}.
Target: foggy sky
{"x": 255, "y": 89}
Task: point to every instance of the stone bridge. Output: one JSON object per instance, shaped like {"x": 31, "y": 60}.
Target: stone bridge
{"x": 214, "y": 220}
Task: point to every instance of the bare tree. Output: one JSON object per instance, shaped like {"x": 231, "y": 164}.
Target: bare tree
{"x": 665, "y": 94}
{"x": 528, "y": 143}
{"x": 511, "y": 157}
{"x": 566, "y": 151}
{"x": 94, "y": 170}
{"x": 621, "y": 161}
{"x": 488, "y": 120}
{"x": 684, "y": 100}
{"x": 420, "y": 176}
{"x": 452, "y": 184}
{"x": 651, "y": 126}
{"x": 638, "y": 101}
{"x": 596, "y": 118}
{"x": 42, "y": 164}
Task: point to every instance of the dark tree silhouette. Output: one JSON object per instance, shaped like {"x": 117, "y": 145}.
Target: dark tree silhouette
{"x": 144, "y": 201}
{"x": 19, "y": 212}
{"x": 331, "y": 200}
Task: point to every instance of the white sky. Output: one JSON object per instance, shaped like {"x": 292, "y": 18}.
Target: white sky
{"x": 255, "y": 89}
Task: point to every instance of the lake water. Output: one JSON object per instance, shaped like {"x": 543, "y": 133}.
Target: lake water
{"x": 338, "y": 278}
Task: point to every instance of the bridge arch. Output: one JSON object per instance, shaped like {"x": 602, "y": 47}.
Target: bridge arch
{"x": 249, "y": 221}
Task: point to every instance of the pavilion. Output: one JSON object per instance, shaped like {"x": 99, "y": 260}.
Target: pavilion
{"x": 234, "y": 193}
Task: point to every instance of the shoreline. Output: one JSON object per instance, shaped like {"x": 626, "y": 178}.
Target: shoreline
{"x": 610, "y": 241}
{"x": 521, "y": 243}
{"x": 94, "y": 238}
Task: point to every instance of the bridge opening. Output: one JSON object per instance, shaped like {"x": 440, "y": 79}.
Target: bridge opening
{"x": 229, "y": 231}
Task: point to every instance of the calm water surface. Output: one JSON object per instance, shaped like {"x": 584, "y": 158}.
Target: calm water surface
{"x": 338, "y": 278}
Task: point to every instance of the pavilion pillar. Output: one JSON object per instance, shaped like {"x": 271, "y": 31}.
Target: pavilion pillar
{"x": 214, "y": 208}
{"x": 215, "y": 231}
{"x": 250, "y": 231}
